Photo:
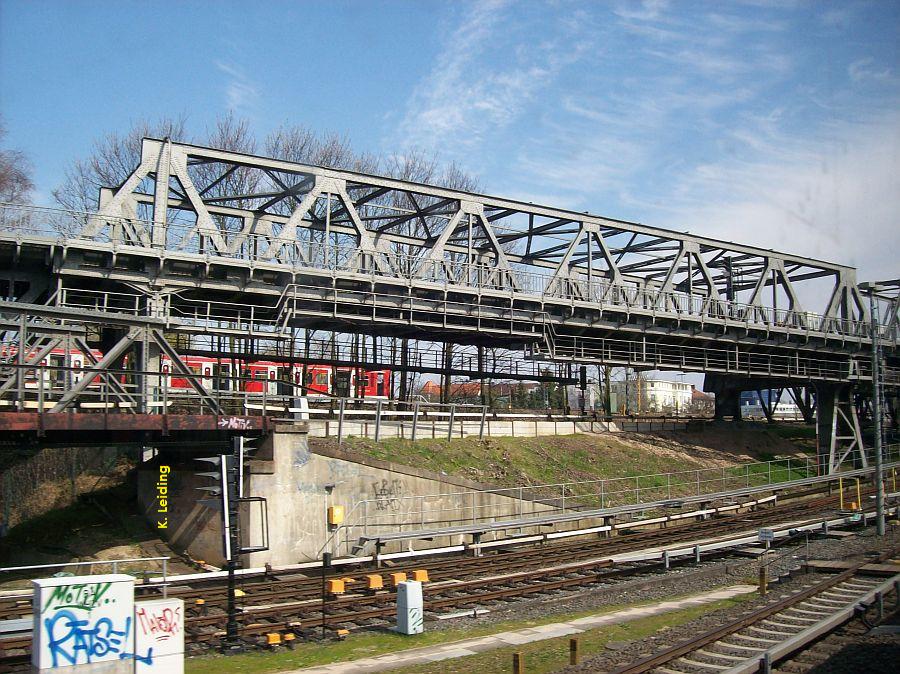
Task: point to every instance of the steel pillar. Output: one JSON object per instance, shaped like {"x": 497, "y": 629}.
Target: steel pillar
{"x": 728, "y": 396}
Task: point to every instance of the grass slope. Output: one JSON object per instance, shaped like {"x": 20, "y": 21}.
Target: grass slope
{"x": 511, "y": 462}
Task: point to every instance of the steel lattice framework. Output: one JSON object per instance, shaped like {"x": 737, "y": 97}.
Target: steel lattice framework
{"x": 207, "y": 251}
{"x": 244, "y": 245}
{"x": 306, "y": 216}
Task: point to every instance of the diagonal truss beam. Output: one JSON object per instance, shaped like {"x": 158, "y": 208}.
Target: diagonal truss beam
{"x": 210, "y": 400}
{"x": 98, "y": 369}
{"x": 379, "y": 208}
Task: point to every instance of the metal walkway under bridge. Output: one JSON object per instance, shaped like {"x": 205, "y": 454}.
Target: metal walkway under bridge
{"x": 206, "y": 251}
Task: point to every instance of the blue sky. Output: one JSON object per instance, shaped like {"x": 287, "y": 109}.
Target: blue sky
{"x": 769, "y": 123}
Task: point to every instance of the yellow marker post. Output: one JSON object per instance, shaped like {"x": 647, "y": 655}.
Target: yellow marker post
{"x": 518, "y": 663}
{"x": 841, "y": 488}
{"x": 858, "y": 493}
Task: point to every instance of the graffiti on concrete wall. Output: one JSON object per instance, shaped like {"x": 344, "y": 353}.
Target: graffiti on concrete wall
{"x": 159, "y": 627}
{"x": 388, "y": 494}
{"x": 82, "y": 620}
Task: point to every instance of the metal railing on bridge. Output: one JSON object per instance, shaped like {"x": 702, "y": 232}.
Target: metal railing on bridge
{"x": 66, "y": 228}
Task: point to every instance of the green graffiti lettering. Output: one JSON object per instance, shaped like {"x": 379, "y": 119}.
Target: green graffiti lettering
{"x": 86, "y": 596}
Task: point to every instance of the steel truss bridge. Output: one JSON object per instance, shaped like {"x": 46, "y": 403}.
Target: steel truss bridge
{"x": 203, "y": 251}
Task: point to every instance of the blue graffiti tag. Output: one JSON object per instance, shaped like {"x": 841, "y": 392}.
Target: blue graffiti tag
{"x": 146, "y": 659}
{"x": 77, "y": 637}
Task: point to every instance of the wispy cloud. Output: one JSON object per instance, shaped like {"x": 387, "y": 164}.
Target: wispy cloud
{"x": 831, "y": 194}
{"x": 719, "y": 122}
{"x": 647, "y": 10}
{"x": 241, "y": 93}
{"x": 482, "y": 82}
{"x": 865, "y": 69}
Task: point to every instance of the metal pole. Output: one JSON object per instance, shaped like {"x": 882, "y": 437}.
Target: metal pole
{"x": 876, "y": 413}
{"x": 450, "y": 425}
{"x": 377, "y": 421}
{"x": 326, "y": 566}
{"x": 341, "y": 422}
{"x": 229, "y": 486}
{"x": 415, "y": 419}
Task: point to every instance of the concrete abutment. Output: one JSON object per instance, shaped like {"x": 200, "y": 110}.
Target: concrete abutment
{"x": 300, "y": 484}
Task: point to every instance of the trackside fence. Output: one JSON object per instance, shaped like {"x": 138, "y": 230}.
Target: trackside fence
{"x": 369, "y": 517}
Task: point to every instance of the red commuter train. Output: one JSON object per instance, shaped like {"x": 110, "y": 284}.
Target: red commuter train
{"x": 220, "y": 374}
{"x": 276, "y": 378}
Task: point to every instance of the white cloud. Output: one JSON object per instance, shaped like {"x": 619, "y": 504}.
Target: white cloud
{"x": 465, "y": 96}
{"x": 831, "y": 195}
{"x": 864, "y": 69}
{"x": 718, "y": 134}
{"x": 649, "y": 10}
{"x": 241, "y": 93}
{"x": 836, "y": 16}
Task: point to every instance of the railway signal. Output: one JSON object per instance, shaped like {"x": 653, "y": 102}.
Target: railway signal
{"x": 226, "y": 494}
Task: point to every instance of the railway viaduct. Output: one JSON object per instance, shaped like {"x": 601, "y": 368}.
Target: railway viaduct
{"x": 211, "y": 252}
{"x": 206, "y": 252}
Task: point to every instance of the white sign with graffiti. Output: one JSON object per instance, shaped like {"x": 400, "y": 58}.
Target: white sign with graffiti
{"x": 159, "y": 631}
{"x": 92, "y": 624}
{"x": 82, "y": 620}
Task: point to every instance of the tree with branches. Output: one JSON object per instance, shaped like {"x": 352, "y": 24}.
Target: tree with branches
{"x": 114, "y": 157}
{"x": 15, "y": 173}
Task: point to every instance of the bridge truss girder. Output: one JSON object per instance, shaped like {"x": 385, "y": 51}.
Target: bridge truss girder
{"x": 184, "y": 198}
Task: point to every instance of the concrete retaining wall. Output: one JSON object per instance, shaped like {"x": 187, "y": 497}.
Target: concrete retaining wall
{"x": 300, "y": 485}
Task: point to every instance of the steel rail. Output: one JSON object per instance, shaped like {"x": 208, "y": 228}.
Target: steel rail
{"x": 674, "y": 652}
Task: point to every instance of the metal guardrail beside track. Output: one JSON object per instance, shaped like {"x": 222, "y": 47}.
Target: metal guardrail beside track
{"x": 527, "y": 506}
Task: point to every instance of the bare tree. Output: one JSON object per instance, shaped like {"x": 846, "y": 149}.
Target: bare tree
{"x": 233, "y": 134}
{"x": 302, "y": 145}
{"x": 15, "y": 174}
{"x": 112, "y": 160}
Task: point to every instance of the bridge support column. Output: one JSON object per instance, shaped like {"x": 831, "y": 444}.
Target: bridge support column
{"x": 148, "y": 362}
{"x": 837, "y": 427}
{"x": 728, "y": 396}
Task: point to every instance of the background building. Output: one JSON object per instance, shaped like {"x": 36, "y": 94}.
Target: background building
{"x": 784, "y": 407}
{"x": 651, "y": 396}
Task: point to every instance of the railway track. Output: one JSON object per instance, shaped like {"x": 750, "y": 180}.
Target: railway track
{"x": 844, "y": 651}
{"x": 293, "y": 602}
{"x": 754, "y": 642}
{"x": 279, "y": 586}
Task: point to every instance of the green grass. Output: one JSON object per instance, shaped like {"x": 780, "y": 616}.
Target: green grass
{"x": 369, "y": 644}
{"x": 511, "y": 462}
{"x": 553, "y": 654}
{"x": 515, "y": 461}
{"x": 794, "y": 430}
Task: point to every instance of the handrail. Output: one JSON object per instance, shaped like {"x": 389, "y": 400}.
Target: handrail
{"x": 308, "y": 254}
{"x": 563, "y": 496}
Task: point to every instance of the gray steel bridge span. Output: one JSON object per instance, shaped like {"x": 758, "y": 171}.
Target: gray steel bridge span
{"x": 207, "y": 251}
